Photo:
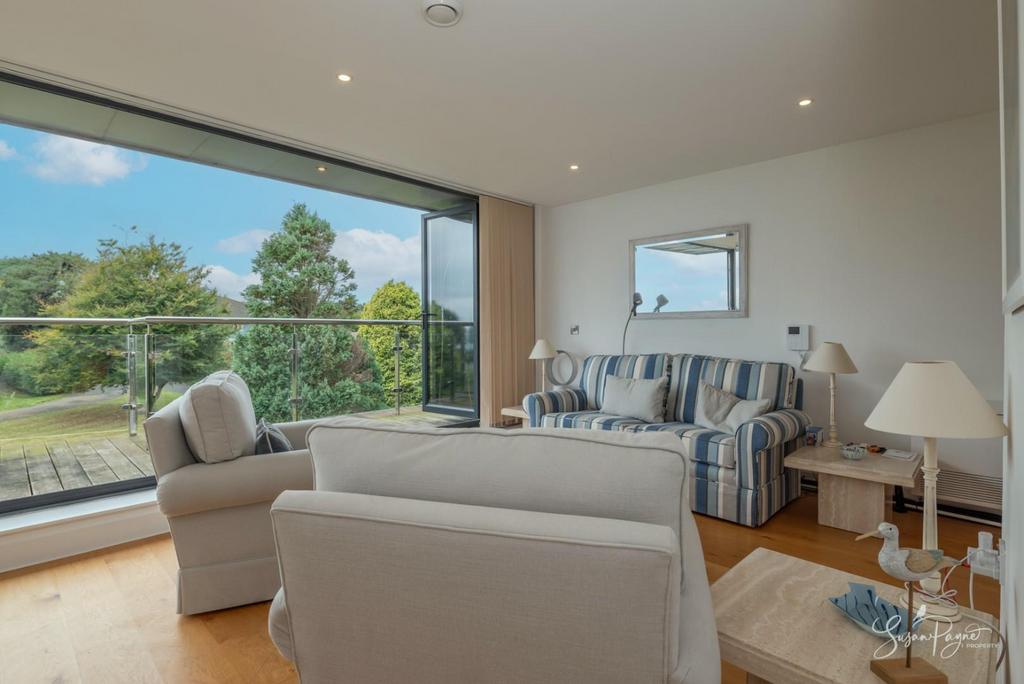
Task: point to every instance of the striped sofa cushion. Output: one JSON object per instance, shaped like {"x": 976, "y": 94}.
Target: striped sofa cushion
{"x": 745, "y": 379}
{"x": 596, "y": 370}
{"x": 702, "y": 445}
{"x": 588, "y": 420}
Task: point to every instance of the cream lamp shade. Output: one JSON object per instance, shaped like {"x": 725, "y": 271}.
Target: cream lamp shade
{"x": 830, "y": 357}
{"x": 934, "y": 399}
{"x": 542, "y": 350}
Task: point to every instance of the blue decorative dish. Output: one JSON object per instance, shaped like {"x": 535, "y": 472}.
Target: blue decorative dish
{"x": 873, "y": 613}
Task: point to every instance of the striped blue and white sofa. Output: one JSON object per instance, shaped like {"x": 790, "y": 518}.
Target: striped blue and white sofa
{"x": 737, "y": 477}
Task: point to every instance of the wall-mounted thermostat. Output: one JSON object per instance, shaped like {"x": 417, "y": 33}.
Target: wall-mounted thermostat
{"x": 798, "y": 337}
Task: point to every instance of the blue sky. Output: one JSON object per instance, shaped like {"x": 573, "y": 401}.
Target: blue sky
{"x": 65, "y": 194}
{"x": 690, "y": 282}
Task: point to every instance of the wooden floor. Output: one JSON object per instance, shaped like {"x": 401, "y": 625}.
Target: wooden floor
{"x": 109, "y": 616}
{"x": 52, "y": 464}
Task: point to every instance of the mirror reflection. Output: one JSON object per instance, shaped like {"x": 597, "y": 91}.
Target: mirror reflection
{"x": 697, "y": 274}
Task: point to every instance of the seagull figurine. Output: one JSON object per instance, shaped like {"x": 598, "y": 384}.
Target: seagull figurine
{"x": 906, "y": 565}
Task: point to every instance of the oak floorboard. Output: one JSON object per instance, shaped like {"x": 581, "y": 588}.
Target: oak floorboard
{"x": 108, "y": 616}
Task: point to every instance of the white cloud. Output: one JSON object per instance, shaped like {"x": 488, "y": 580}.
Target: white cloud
{"x": 228, "y": 283}
{"x": 69, "y": 160}
{"x": 244, "y": 243}
{"x": 6, "y": 151}
{"x": 377, "y": 257}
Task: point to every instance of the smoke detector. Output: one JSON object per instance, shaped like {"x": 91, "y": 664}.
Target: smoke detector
{"x": 442, "y": 13}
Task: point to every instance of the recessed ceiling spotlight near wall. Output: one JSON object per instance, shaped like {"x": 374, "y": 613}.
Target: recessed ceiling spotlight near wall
{"x": 806, "y": 102}
{"x": 574, "y": 167}
{"x": 442, "y": 13}
{"x": 321, "y": 169}
{"x": 344, "y": 78}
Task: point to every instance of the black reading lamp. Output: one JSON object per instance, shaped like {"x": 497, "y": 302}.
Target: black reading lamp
{"x": 637, "y": 301}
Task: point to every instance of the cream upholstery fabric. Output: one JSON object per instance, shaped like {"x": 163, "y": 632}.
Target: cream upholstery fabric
{"x": 218, "y": 419}
{"x": 219, "y": 513}
{"x": 493, "y": 556}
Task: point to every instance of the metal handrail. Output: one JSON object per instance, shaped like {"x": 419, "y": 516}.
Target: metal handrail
{"x": 214, "y": 320}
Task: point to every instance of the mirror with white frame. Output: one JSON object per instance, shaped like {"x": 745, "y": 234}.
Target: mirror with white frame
{"x": 700, "y": 274}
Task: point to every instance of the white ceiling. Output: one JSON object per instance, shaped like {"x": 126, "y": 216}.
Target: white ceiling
{"x": 635, "y": 92}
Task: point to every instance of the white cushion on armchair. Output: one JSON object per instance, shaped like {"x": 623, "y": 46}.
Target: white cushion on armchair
{"x": 218, "y": 419}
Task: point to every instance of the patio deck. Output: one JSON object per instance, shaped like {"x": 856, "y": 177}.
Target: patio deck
{"x": 51, "y": 464}
{"x": 43, "y": 465}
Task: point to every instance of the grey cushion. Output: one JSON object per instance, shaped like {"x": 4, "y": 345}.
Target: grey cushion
{"x": 270, "y": 439}
{"x": 713, "y": 407}
{"x": 635, "y": 398}
{"x": 218, "y": 419}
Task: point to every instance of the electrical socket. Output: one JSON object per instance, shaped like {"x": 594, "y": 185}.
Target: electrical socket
{"x": 984, "y": 559}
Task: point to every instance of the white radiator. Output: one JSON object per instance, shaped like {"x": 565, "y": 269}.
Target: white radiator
{"x": 967, "y": 490}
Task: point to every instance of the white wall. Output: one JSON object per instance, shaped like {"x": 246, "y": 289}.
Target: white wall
{"x": 889, "y": 245}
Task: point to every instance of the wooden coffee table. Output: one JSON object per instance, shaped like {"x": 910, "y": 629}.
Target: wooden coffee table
{"x": 853, "y": 495}
{"x": 775, "y": 622}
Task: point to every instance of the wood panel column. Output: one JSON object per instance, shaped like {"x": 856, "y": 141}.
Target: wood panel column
{"x": 507, "y": 326}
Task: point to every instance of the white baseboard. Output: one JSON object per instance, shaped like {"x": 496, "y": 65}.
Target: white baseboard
{"x": 48, "y": 534}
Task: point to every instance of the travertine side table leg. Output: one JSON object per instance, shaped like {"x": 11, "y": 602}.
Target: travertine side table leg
{"x": 849, "y": 504}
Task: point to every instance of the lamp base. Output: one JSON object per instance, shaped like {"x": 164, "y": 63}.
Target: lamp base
{"x": 895, "y": 671}
{"x": 934, "y": 610}
{"x": 832, "y": 443}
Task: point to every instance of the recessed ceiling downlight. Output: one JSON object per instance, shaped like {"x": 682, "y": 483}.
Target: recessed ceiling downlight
{"x": 344, "y": 78}
{"x": 806, "y": 102}
{"x": 442, "y": 13}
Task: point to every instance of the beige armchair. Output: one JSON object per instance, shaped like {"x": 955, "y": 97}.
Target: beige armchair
{"x": 485, "y": 556}
{"x": 219, "y": 513}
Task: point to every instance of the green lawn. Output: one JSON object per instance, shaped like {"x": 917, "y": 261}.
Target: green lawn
{"x": 102, "y": 416}
{"x": 16, "y": 400}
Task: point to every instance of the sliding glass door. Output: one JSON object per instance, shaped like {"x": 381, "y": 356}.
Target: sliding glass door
{"x": 450, "y": 311}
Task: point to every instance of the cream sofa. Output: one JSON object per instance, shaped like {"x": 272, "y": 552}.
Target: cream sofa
{"x": 219, "y": 513}
{"x": 449, "y": 556}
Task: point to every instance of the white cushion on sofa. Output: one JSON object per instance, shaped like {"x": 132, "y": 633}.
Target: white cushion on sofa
{"x": 218, "y": 419}
{"x": 635, "y": 398}
{"x": 713, "y": 407}
{"x": 746, "y": 410}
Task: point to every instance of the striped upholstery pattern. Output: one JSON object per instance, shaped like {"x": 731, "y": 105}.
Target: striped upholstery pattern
{"x": 540, "y": 403}
{"x": 589, "y": 420}
{"x": 765, "y": 434}
{"x": 705, "y": 446}
{"x": 737, "y": 477}
{"x": 638, "y": 366}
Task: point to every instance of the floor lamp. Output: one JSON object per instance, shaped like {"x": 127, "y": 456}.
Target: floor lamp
{"x": 934, "y": 399}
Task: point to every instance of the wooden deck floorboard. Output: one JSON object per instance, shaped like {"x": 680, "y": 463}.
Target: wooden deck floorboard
{"x": 41, "y": 466}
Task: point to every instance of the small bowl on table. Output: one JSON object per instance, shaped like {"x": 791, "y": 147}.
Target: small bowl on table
{"x": 853, "y": 452}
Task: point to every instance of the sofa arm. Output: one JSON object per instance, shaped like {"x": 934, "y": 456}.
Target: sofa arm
{"x": 555, "y": 401}
{"x": 612, "y": 586}
{"x": 768, "y": 433}
{"x": 245, "y": 480}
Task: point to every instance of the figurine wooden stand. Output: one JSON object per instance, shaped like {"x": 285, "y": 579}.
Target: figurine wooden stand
{"x": 908, "y": 670}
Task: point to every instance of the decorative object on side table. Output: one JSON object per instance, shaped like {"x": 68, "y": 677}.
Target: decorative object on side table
{"x": 908, "y": 566}
{"x": 872, "y": 613}
{"x": 831, "y": 358}
{"x": 543, "y": 352}
{"x": 853, "y": 452}
{"x": 933, "y": 399}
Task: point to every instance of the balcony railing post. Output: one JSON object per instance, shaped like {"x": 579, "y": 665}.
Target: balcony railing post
{"x": 150, "y": 371}
{"x": 294, "y": 374}
{"x": 397, "y": 349}
{"x": 130, "y": 369}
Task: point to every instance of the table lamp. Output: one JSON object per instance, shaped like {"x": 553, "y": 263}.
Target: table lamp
{"x": 933, "y": 399}
{"x": 831, "y": 358}
{"x": 543, "y": 352}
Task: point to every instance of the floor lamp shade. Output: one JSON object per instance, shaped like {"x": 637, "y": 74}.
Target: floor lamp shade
{"x": 935, "y": 399}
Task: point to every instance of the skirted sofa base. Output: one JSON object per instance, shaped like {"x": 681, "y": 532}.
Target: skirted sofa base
{"x": 738, "y": 476}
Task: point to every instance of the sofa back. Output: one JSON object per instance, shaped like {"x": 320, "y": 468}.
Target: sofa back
{"x": 746, "y": 379}
{"x": 596, "y": 370}
{"x": 604, "y": 475}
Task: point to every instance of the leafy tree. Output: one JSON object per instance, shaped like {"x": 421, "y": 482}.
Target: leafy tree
{"x": 30, "y": 284}
{"x": 149, "y": 278}
{"x": 300, "y": 278}
{"x": 395, "y": 300}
